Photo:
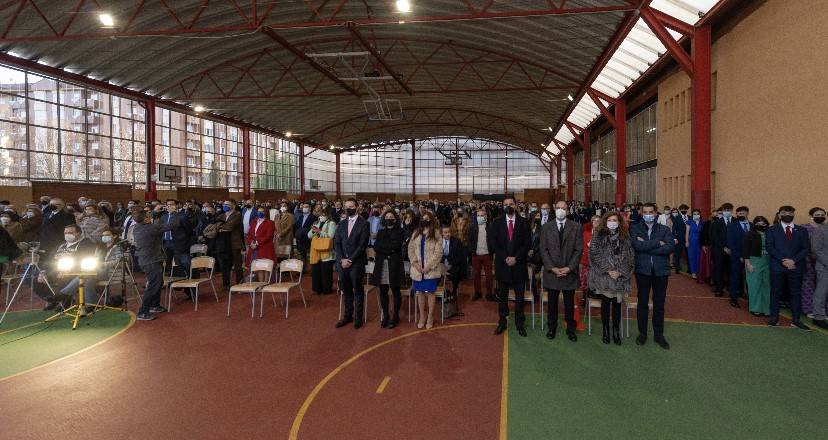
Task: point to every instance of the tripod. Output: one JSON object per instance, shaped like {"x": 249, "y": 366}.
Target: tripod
{"x": 78, "y": 310}
{"x": 32, "y": 269}
{"x": 123, "y": 265}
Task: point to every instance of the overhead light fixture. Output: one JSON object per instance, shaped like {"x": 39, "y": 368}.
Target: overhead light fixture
{"x": 569, "y": 97}
{"x": 106, "y": 20}
{"x": 199, "y": 108}
{"x": 288, "y": 134}
{"x": 403, "y": 6}
{"x": 550, "y": 128}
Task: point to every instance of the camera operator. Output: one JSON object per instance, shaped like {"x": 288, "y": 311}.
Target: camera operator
{"x": 112, "y": 252}
{"x": 148, "y": 234}
{"x": 77, "y": 247}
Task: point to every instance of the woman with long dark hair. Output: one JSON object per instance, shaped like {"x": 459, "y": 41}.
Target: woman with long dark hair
{"x": 388, "y": 266}
{"x": 611, "y": 261}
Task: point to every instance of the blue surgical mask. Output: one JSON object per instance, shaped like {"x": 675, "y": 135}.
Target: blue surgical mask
{"x": 226, "y": 208}
{"x": 727, "y": 214}
{"x": 260, "y": 214}
{"x": 649, "y": 218}
{"x": 481, "y": 220}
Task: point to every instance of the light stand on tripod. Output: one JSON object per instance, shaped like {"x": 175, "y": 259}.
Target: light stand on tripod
{"x": 125, "y": 268}
{"x": 87, "y": 268}
{"x": 32, "y": 270}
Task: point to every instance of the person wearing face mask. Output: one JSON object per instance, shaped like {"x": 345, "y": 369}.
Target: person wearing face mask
{"x": 374, "y": 223}
{"x": 736, "y": 231}
{"x": 248, "y": 213}
{"x": 510, "y": 240}
{"x": 584, "y": 268}
{"x": 9, "y": 250}
{"x": 303, "y": 224}
{"x": 665, "y": 216}
{"x": 51, "y": 232}
{"x": 788, "y": 246}
{"x": 389, "y": 268}
{"x": 706, "y": 257}
{"x": 545, "y": 214}
{"x": 479, "y": 247}
{"x": 719, "y": 249}
{"x": 14, "y": 228}
{"x": 809, "y": 279}
{"x": 284, "y": 228}
{"x": 148, "y": 233}
{"x": 678, "y": 225}
{"x": 653, "y": 243}
{"x": 112, "y": 254}
{"x": 611, "y": 260}
{"x": 819, "y": 251}
{"x": 561, "y": 250}
{"x": 425, "y": 252}
{"x": 66, "y": 286}
{"x": 229, "y": 243}
{"x": 757, "y": 277}
{"x": 321, "y": 252}
{"x": 350, "y": 243}
{"x": 93, "y": 223}
{"x": 31, "y": 223}
{"x": 260, "y": 241}
{"x": 692, "y": 241}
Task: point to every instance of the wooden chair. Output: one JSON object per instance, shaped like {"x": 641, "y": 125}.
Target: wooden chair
{"x": 286, "y": 266}
{"x": 207, "y": 263}
{"x": 252, "y": 287}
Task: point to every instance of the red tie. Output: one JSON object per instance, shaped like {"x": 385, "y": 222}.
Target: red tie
{"x": 511, "y": 230}
{"x": 788, "y": 232}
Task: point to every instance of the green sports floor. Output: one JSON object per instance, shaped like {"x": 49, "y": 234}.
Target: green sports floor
{"x": 718, "y": 381}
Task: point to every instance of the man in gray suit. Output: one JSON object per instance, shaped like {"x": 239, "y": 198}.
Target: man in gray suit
{"x": 561, "y": 244}
{"x": 819, "y": 249}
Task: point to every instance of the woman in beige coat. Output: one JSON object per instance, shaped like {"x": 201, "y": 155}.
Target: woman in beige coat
{"x": 424, "y": 253}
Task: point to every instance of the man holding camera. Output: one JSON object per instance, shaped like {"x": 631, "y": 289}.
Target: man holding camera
{"x": 149, "y": 233}
{"x": 74, "y": 246}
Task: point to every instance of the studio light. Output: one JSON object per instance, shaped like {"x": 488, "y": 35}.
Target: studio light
{"x": 89, "y": 264}
{"x": 403, "y": 6}
{"x": 106, "y": 20}
{"x": 65, "y": 264}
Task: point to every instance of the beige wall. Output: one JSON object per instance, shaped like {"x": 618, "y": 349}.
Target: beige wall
{"x": 768, "y": 134}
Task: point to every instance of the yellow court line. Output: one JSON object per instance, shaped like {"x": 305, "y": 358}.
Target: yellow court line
{"x": 131, "y": 321}
{"x": 504, "y": 389}
{"x": 297, "y": 421}
{"x": 21, "y": 328}
{"x": 383, "y": 384}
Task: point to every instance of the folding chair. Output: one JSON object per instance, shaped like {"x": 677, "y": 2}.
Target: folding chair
{"x": 252, "y": 287}
{"x": 284, "y": 251}
{"x": 632, "y": 303}
{"x": 207, "y": 263}
{"x": 290, "y": 266}
{"x": 198, "y": 250}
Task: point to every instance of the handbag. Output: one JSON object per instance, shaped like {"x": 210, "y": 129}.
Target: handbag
{"x": 321, "y": 244}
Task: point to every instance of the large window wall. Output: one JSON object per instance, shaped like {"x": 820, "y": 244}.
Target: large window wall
{"x": 320, "y": 171}
{"x": 209, "y": 152}
{"x": 641, "y": 156}
{"x": 384, "y": 169}
{"x": 603, "y": 151}
{"x": 274, "y": 163}
{"x": 56, "y": 130}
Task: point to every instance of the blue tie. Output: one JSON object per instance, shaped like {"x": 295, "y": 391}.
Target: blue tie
{"x": 168, "y": 234}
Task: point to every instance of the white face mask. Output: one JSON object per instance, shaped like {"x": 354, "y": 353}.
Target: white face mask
{"x": 612, "y": 225}
{"x": 560, "y": 214}
{"x": 5, "y": 220}
{"x": 106, "y": 238}
{"x": 481, "y": 220}
{"x": 545, "y": 211}
{"x": 70, "y": 238}
{"x": 283, "y": 209}
{"x": 305, "y": 210}
{"x": 323, "y": 219}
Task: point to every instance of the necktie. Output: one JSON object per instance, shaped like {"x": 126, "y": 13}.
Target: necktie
{"x": 744, "y": 227}
{"x": 350, "y": 226}
{"x": 445, "y": 247}
{"x": 788, "y": 232}
{"x": 168, "y": 234}
{"x": 511, "y": 229}
{"x": 560, "y": 227}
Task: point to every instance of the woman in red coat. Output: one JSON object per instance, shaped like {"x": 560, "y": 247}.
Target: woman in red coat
{"x": 260, "y": 241}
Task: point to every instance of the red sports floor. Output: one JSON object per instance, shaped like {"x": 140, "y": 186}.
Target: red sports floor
{"x": 199, "y": 375}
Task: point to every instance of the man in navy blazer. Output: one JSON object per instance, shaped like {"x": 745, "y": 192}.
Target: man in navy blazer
{"x": 788, "y": 246}
{"x": 653, "y": 243}
{"x": 736, "y": 231}
{"x": 350, "y": 241}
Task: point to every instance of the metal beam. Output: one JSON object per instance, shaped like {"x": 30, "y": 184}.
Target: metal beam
{"x": 678, "y": 52}
{"x": 311, "y": 62}
{"x": 383, "y": 63}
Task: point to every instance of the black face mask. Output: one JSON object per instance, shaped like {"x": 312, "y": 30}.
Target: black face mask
{"x": 819, "y": 220}
{"x": 786, "y": 218}
{"x": 684, "y": 212}
{"x": 741, "y": 218}
{"x": 390, "y": 222}
{"x": 425, "y": 223}
{"x": 761, "y": 228}
{"x": 510, "y": 210}
{"x": 350, "y": 211}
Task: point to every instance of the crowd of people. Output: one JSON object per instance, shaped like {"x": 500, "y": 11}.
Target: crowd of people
{"x": 597, "y": 248}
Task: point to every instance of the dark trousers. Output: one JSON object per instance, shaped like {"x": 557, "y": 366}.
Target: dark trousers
{"x": 658, "y": 285}
{"x": 606, "y": 305}
{"x": 154, "y": 273}
{"x": 322, "y": 277}
{"x": 569, "y": 309}
{"x": 737, "y": 277}
{"x": 304, "y": 249}
{"x": 677, "y": 254}
{"x": 503, "y": 301}
{"x": 794, "y": 281}
{"x": 721, "y": 268}
{"x": 231, "y": 260}
{"x": 394, "y": 316}
{"x": 353, "y": 292}
{"x": 182, "y": 260}
{"x": 482, "y": 266}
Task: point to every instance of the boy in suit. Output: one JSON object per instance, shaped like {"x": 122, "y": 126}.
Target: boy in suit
{"x": 736, "y": 231}
{"x": 511, "y": 240}
{"x": 350, "y": 242}
{"x": 788, "y": 246}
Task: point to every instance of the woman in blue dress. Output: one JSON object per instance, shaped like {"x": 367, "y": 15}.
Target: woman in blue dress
{"x": 692, "y": 240}
{"x": 425, "y": 251}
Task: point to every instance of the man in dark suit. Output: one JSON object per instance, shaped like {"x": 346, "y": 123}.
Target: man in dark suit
{"x": 230, "y": 239}
{"x": 303, "y": 224}
{"x": 679, "y": 228}
{"x": 653, "y": 243}
{"x": 177, "y": 240}
{"x": 561, "y": 245}
{"x": 718, "y": 243}
{"x": 788, "y": 245}
{"x": 51, "y": 233}
{"x": 511, "y": 239}
{"x": 350, "y": 242}
{"x": 736, "y": 231}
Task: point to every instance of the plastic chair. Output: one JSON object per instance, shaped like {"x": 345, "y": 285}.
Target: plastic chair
{"x": 252, "y": 287}
{"x": 207, "y": 263}
{"x": 290, "y": 266}
{"x": 198, "y": 250}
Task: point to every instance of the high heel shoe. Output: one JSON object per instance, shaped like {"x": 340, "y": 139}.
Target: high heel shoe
{"x": 616, "y": 336}
{"x": 606, "y": 334}
{"x": 420, "y": 324}
{"x": 430, "y": 323}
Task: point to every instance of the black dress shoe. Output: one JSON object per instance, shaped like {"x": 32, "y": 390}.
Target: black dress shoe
{"x": 522, "y": 331}
{"x": 550, "y": 334}
{"x": 358, "y": 324}
{"x": 800, "y": 325}
{"x": 641, "y": 340}
{"x": 50, "y": 305}
{"x": 773, "y": 323}
{"x": 616, "y": 336}
{"x": 384, "y": 323}
{"x": 476, "y": 296}
{"x": 343, "y": 323}
{"x": 662, "y": 342}
{"x": 820, "y": 323}
{"x": 735, "y": 304}
{"x": 572, "y": 336}
{"x": 500, "y": 328}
